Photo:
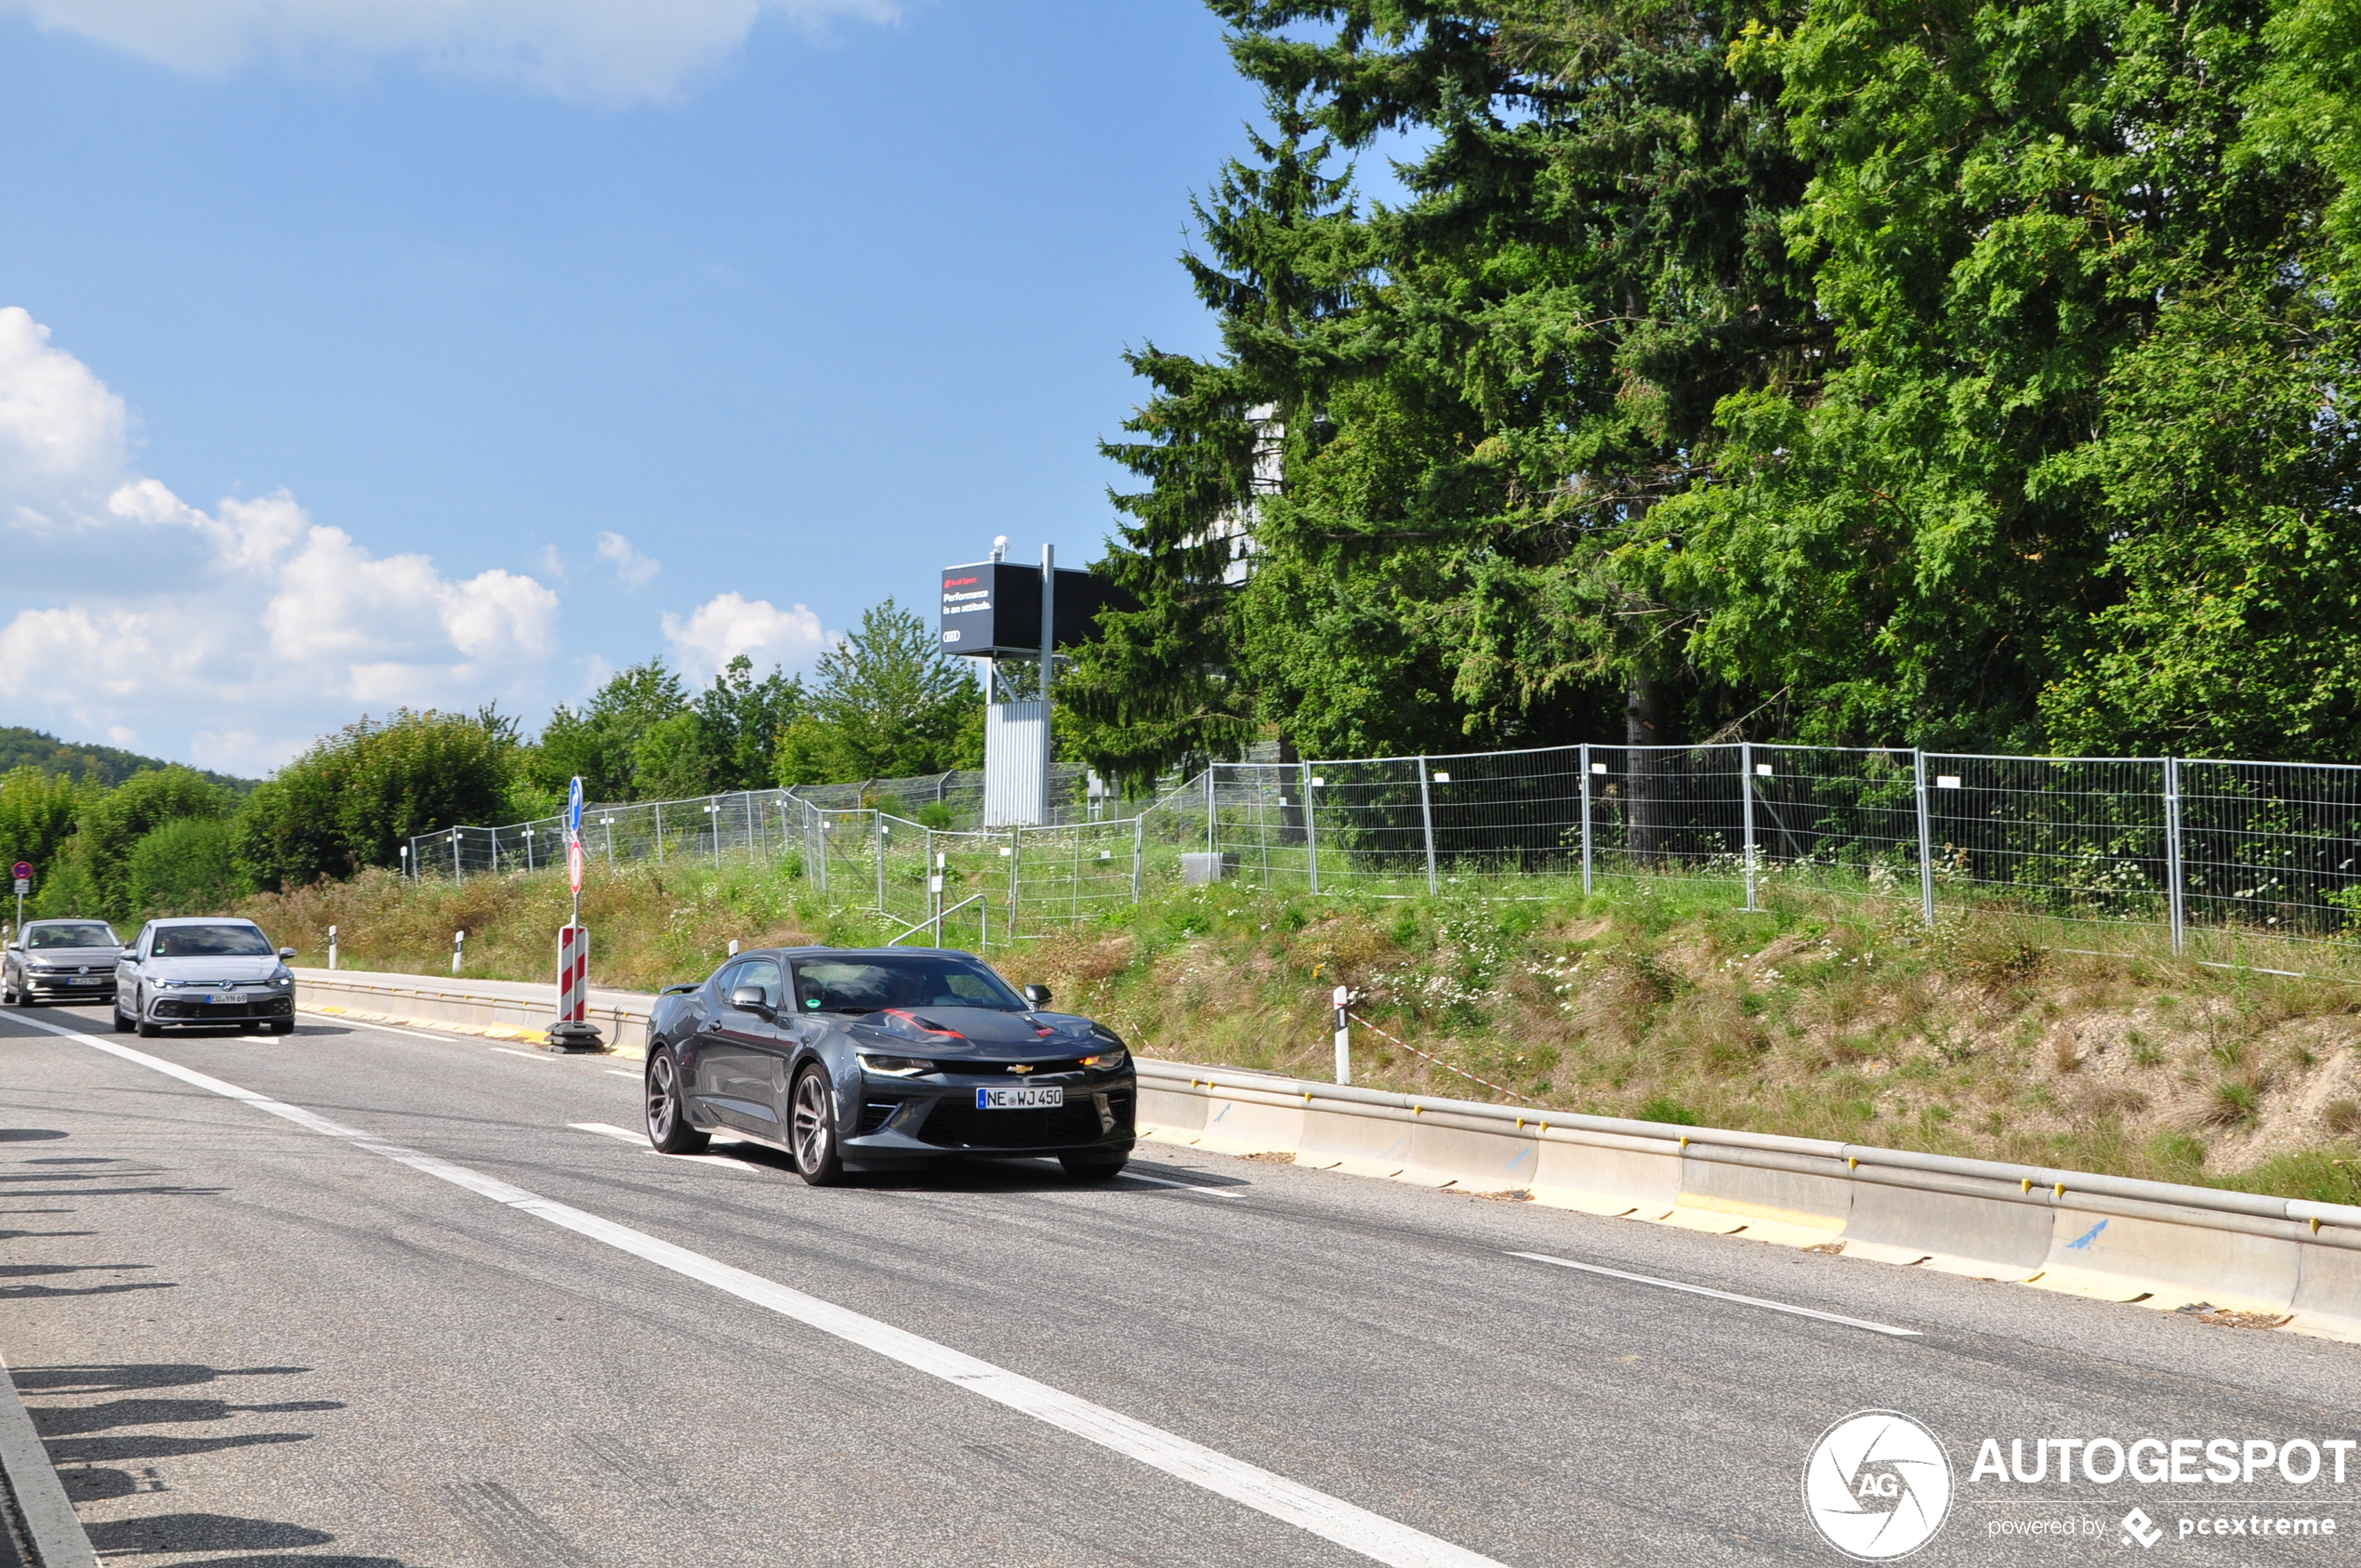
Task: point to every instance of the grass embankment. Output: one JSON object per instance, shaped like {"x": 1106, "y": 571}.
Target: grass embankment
{"x": 1820, "y": 1017}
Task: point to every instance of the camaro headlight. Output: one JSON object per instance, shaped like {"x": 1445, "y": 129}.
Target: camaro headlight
{"x": 896, "y": 1066}
{"x": 1108, "y": 1060}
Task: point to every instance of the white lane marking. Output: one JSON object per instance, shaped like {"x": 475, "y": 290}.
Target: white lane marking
{"x": 1723, "y": 1296}
{"x": 1331, "y": 1519}
{"x": 529, "y": 1056}
{"x": 624, "y": 1133}
{"x": 1181, "y": 1186}
{"x": 622, "y": 1073}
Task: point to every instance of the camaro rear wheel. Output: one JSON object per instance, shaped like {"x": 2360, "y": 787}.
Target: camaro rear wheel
{"x": 814, "y": 1129}
{"x": 1094, "y": 1165}
{"x": 668, "y": 1127}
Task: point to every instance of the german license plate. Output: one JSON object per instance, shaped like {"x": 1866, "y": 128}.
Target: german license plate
{"x": 82, "y": 980}
{"x": 1028, "y": 1099}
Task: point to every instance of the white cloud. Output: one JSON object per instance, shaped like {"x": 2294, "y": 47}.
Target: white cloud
{"x": 723, "y": 627}
{"x": 613, "y": 51}
{"x": 63, "y": 436}
{"x": 138, "y": 612}
{"x": 636, "y": 570}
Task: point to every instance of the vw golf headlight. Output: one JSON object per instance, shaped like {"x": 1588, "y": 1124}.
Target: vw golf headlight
{"x": 895, "y": 1066}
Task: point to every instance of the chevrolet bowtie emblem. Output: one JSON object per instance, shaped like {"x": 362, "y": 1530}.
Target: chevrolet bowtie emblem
{"x": 1021, "y": 1067}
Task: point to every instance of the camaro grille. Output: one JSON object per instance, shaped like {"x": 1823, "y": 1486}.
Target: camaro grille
{"x": 957, "y": 1123}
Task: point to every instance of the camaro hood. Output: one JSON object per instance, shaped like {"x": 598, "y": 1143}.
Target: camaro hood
{"x": 985, "y": 1034}
{"x": 211, "y": 970}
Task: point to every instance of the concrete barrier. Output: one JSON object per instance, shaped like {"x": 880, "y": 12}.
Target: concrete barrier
{"x": 500, "y": 1009}
{"x": 2114, "y": 1238}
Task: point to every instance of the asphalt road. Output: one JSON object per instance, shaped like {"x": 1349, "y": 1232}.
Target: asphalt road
{"x": 417, "y": 1317}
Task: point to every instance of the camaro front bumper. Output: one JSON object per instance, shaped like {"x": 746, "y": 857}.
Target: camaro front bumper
{"x": 901, "y": 1117}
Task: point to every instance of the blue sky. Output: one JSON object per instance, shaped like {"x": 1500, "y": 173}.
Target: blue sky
{"x": 356, "y": 353}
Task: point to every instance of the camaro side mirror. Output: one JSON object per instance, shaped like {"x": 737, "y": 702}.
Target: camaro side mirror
{"x": 286, "y": 952}
{"x": 1038, "y": 995}
{"x": 749, "y": 999}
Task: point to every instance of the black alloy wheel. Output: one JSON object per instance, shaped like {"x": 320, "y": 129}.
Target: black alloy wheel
{"x": 668, "y": 1128}
{"x": 121, "y": 1023}
{"x": 812, "y": 1129}
{"x": 281, "y": 1026}
{"x": 1090, "y": 1164}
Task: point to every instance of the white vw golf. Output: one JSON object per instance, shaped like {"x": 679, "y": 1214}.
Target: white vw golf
{"x": 205, "y": 972}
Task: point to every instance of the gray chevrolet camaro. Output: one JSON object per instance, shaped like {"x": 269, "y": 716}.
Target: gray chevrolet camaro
{"x": 883, "y": 1058}
{"x": 59, "y": 961}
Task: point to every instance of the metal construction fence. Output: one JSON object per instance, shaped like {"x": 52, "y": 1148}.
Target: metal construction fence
{"x": 2216, "y": 855}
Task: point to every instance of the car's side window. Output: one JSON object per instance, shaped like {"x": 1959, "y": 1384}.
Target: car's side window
{"x": 142, "y": 945}
{"x": 762, "y": 973}
{"x": 726, "y": 981}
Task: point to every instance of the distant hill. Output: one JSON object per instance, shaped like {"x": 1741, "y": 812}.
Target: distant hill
{"x": 20, "y": 746}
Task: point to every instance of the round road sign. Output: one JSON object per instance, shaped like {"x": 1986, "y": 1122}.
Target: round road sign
{"x": 24, "y": 869}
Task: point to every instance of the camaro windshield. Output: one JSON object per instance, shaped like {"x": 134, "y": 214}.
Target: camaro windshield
{"x": 211, "y": 942}
{"x": 867, "y": 985}
{"x": 70, "y": 936}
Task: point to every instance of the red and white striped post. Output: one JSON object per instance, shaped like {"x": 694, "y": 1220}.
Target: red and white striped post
{"x": 573, "y": 1031}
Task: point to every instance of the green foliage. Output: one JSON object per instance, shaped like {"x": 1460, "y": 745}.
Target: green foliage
{"x": 37, "y": 814}
{"x": 885, "y": 703}
{"x": 360, "y": 795}
{"x": 1867, "y": 371}
{"x": 641, "y": 736}
{"x": 601, "y": 743}
{"x": 186, "y": 867}
{"x": 20, "y": 747}
{"x": 116, "y": 820}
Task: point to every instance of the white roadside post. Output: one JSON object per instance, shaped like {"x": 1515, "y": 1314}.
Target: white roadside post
{"x": 458, "y": 950}
{"x": 332, "y": 947}
{"x": 1344, "y": 1037}
{"x": 573, "y": 1031}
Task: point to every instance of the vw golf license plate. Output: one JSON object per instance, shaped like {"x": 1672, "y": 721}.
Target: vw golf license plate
{"x": 1019, "y": 1100}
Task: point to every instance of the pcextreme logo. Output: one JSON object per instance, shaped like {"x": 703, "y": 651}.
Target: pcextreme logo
{"x": 1877, "y": 1486}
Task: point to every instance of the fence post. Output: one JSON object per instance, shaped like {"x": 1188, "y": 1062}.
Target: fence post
{"x": 1016, "y": 856}
{"x": 1426, "y": 820}
{"x": 1586, "y": 821}
{"x": 1344, "y": 1037}
{"x": 1926, "y": 847}
{"x": 1310, "y": 828}
{"x": 881, "y": 835}
{"x": 2176, "y": 891}
{"x": 659, "y": 833}
{"x": 1746, "y": 802}
{"x": 1210, "y": 847}
{"x": 1138, "y": 830}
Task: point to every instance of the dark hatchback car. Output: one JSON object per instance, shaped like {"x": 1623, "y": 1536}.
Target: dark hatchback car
{"x": 884, "y": 1059}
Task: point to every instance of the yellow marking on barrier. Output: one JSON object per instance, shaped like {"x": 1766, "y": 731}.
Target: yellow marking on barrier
{"x": 1417, "y": 1110}
{"x": 2026, "y": 1184}
{"x": 1684, "y": 1140}
{"x": 1852, "y": 1163}
{"x": 2061, "y": 1192}
{"x": 2315, "y": 1224}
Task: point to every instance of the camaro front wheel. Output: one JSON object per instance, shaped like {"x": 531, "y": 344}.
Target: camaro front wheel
{"x": 668, "y": 1128}
{"x": 814, "y": 1129}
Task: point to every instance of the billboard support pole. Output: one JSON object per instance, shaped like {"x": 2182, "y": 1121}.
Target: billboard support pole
{"x": 1049, "y": 656}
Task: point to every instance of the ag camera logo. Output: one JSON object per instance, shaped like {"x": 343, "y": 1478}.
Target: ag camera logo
{"x": 1877, "y": 1486}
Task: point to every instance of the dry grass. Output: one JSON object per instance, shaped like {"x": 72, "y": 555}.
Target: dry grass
{"x": 1817, "y": 1017}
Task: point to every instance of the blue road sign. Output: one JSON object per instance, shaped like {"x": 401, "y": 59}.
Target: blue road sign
{"x": 574, "y": 806}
